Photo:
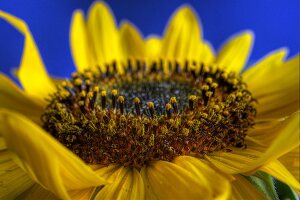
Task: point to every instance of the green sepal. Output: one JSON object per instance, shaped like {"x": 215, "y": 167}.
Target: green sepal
{"x": 273, "y": 189}
{"x": 284, "y": 191}
{"x": 265, "y": 184}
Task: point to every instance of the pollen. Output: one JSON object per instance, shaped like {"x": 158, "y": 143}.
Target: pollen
{"x": 150, "y": 113}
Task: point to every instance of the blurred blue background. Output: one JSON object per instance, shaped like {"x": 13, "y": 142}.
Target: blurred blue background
{"x": 275, "y": 23}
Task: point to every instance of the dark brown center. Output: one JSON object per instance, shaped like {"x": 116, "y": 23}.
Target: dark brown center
{"x": 147, "y": 114}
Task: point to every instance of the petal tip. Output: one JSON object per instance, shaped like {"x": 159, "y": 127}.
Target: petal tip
{"x": 128, "y": 26}
{"x": 188, "y": 12}
{"x": 248, "y": 35}
{"x": 100, "y": 5}
{"x": 77, "y": 13}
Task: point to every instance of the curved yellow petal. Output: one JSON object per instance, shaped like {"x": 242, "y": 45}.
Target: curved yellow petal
{"x": 265, "y": 132}
{"x": 291, "y": 161}
{"x": 165, "y": 180}
{"x": 104, "y": 35}
{"x": 277, "y": 170}
{"x": 242, "y": 189}
{"x": 207, "y": 175}
{"x": 32, "y": 73}
{"x": 80, "y": 48}
{"x": 287, "y": 138}
{"x": 258, "y": 71}
{"x": 37, "y": 192}
{"x": 132, "y": 42}
{"x": 235, "y": 52}
{"x": 13, "y": 180}
{"x": 126, "y": 184}
{"x": 182, "y": 38}
{"x": 207, "y": 55}
{"x": 233, "y": 162}
{"x": 277, "y": 89}
{"x": 44, "y": 158}
{"x": 14, "y": 98}
{"x": 280, "y": 138}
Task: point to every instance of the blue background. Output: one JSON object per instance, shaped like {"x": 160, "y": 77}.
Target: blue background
{"x": 275, "y": 23}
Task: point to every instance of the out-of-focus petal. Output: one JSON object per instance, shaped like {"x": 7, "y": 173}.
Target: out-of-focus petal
{"x": 235, "y": 52}
{"x": 207, "y": 54}
{"x": 257, "y": 71}
{"x": 276, "y": 87}
{"x": 44, "y": 158}
{"x": 182, "y": 38}
{"x": 104, "y": 36}
{"x": 32, "y": 73}
{"x": 132, "y": 42}
{"x": 82, "y": 51}
{"x": 15, "y": 99}
{"x": 153, "y": 47}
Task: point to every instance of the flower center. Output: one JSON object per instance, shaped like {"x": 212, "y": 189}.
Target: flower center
{"x": 146, "y": 114}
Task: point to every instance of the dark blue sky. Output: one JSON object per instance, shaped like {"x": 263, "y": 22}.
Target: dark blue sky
{"x": 275, "y": 23}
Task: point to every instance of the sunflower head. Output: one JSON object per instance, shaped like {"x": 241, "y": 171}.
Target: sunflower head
{"x": 146, "y": 114}
{"x": 163, "y": 118}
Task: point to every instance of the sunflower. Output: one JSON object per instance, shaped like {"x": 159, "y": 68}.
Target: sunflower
{"x": 155, "y": 118}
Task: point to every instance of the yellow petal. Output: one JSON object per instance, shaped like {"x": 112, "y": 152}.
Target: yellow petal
{"x": 37, "y": 192}
{"x": 280, "y": 138}
{"x": 153, "y": 50}
{"x": 127, "y": 184}
{"x": 104, "y": 35}
{"x": 2, "y": 144}
{"x": 207, "y": 55}
{"x": 287, "y": 138}
{"x": 242, "y": 189}
{"x": 274, "y": 141}
{"x": 153, "y": 47}
{"x": 277, "y": 170}
{"x": 277, "y": 89}
{"x": 32, "y": 73}
{"x": 165, "y": 180}
{"x": 235, "y": 52}
{"x": 109, "y": 173}
{"x": 81, "y": 50}
{"x": 85, "y": 194}
{"x": 132, "y": 42}
{"x": 207, "y": 175}
{"x": 44, "y": 158}
{"x": 13, "y": 180}
{"x": 292, "y": 162}
{"x": 257, "y": 71}
{"x": 265, "y": 132}
{"x": 14, "y": 99}
{"x": 233, "y": 162}
{"x": 182, "y": 37}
